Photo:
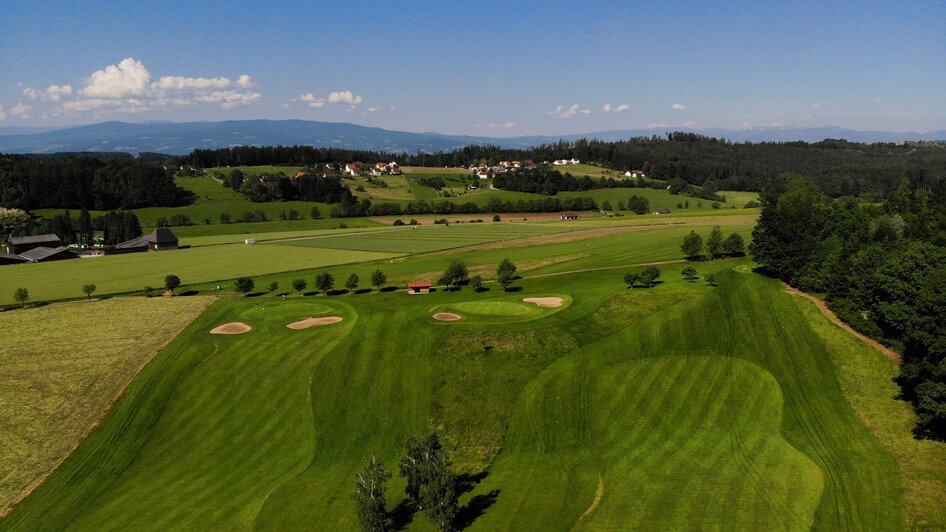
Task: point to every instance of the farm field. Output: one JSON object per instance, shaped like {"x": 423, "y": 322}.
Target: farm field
{"x": 60, "y": 365}
{"x": 135, "y": 271}
{"x": 216, "y": 259}
{"x": 677, "y": 407}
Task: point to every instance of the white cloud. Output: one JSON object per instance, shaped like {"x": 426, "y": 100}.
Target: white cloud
{"x": 509, "y": 125}
{"x": 230, "y": 99}
{"x": 245, "y": 81}
{"x": 312, "y": 100}
{"x": 505, "y": 125}
{"x": 678, "y": 107}
{"x": 689, "y": 123}
{"x": 22, "y": 111}
{"x": 567, "y": 112}
{"x": 606, "y": 108}
{"x": 3, "y": 114}
{"x": 344, "y": 97}
{"x": 128, "y": 78}
{"x": 284, "y": 105}
{"x": 371, "y": 109}
{"x": 182, "y": 83}
{"x": 656, "y": 124}
{"x": 52, "y": 93}
{"x": 619, "y": 108}
{"x": 817, "y": 105}
{"x": 622, "y": 108}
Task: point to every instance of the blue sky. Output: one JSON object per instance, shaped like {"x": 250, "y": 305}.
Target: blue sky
{"x": 485, "y": 68}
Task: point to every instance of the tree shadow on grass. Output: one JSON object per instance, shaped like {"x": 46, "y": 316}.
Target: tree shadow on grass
{"x": 512, "y": 289}
{"x": 402, "y": 515}
{"x": 363, "y": 291}
{"x": 188, "y": 293}
{"x": 477, "y": 506}
{"x": 256, "y": 294}
{"x": 388, "y": 289}
{"x": 338, "y": 292}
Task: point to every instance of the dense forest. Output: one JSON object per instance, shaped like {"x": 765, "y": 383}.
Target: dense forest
{"x": 882, "y": 268}
{"x": 839, "y": 167}
{"x": 84, "y": 182}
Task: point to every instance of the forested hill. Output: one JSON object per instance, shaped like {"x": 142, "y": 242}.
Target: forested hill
{"x": 839, "y": 167}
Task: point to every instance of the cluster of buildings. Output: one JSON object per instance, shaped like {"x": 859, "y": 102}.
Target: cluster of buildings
{"x": 485, "y": 171}
{"x": 565, "y": 162}
{"x": 46, "y": 248}
{"x": 377, "y": 169}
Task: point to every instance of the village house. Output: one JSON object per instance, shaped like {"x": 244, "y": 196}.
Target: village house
{"x": 570, "y": 215}
{"x": 635, "y": 173}
{"x": 352, "y": 169}
{"x": 662, "y": 210}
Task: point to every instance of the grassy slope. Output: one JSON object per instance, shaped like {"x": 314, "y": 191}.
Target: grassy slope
{"x": 866, "y": 377}
{"x": 55, "y": 380}
{"x": 693, "y": 405}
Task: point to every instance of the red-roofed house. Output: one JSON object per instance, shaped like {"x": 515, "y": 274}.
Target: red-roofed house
{"x": 571, "y": 215}
{"x": 351, "y": 169}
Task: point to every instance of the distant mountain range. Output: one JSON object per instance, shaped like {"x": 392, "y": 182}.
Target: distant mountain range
{"x": 182, "y": 138}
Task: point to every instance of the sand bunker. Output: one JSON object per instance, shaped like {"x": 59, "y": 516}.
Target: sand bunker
{"x": 231, "y": 328}
{"x": 446, "y": 316}
{"x": 314, "y": 322}
{"x": 548, "y": 302}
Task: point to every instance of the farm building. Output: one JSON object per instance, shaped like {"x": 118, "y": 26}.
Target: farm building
{"x": 44, "y": 254}
{"x": 16, "y": 245}
{"x": 419, "y": 288}
{"x": 570, "y": 215}
{"x": 160, "y": 240}
{"x": 634, "y": 173}
{"x": 9, "y": 258}
{"x": 662, "y": 210}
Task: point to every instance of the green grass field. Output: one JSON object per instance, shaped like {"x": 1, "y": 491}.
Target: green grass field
{"x": 676, "y": 407}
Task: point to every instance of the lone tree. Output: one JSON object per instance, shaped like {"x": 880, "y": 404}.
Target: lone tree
{"x": 370, "y": 486}
{"x": 315, "y": 213}
{"x": 631, "y": 279}
{"x": 171, "y": 282}
{"x": 352, "y": 282}
{"x": 710, "y": 279}
{"x": 378, "y": 279}
{"x": 692, "y": 246}
{"x": 689, "y": 273}
{"x": 244, "y": 285}
{"x": 324, "y": 282}
{"x": 714, "y": 244}
{"x": 506, "y": 274}
{"x": 431, "y": 486}
{"x": 88, "y": 290}
{"x": 22, "y": 295}
{"x": 477, "y": 283}
{"x": 299, "y": 285}
{"x": 273, "y": 286}
{"x": 455, "y": 275}
{"x": 649, "y": 276}
{"x": 734, "y": 245}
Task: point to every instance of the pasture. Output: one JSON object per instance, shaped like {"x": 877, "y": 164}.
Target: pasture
{"x": 676, "y": 407}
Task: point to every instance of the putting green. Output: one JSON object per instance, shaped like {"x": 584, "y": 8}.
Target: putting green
{"x": 499, "y": 311}
{"x": 655, "y": 444}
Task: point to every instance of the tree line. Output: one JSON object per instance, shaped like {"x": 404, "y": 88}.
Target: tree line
{"x": 882, "y": 267}
{"x": 84, "y": 182}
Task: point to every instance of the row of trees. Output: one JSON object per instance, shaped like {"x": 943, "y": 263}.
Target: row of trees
{"x": 715, "y": 245}
{"x": 431, "y": 487}
{"x": 881, "y": 267}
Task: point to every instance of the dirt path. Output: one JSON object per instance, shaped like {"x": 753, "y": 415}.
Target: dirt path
{"x": 823, "y": 307}
{"x": 599, "y": 493}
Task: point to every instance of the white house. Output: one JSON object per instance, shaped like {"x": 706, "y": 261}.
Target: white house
{"x": 351, "y": 169}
